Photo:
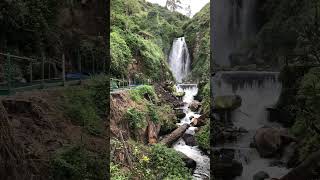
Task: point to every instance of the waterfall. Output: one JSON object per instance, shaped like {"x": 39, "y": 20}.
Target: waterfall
{"x": 233, "y": 22}
{"x": 179, "y": 59}
{"x": 258, "y": 90}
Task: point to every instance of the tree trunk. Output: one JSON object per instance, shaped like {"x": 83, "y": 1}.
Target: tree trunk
{"x": 153, "y": 131}
{"x": 306, "y": 170}
{"x": 175, "y": 135}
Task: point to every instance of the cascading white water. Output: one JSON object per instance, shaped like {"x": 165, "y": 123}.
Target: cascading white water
{"x": 202, "y": 171}
{"x": 233, "y": 22}
{"x": 179, "y": 59}
{"x": 258, "y": 90}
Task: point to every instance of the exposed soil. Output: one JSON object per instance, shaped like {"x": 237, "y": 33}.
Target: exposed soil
{"x": 38, "y": 129}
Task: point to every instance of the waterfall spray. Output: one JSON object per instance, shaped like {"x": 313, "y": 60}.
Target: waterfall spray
{"x": 179, "y": 59}
{"x": 234, "y": 22}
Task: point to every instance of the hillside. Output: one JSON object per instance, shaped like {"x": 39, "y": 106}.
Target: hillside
{"x": 197, "y": 33}
{"x": 141, "y": 37}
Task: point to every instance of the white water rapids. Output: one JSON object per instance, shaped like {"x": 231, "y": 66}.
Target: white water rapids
{"x": 202, "y": 171}
{"x": 179, "y": 62}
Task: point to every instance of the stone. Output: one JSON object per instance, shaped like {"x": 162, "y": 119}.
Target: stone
{"x": 180, "y": 115}
{"x": 189, "y": 139}
{"x": 194, "y": 105}
{"x": 189, "y": 163}
{"x": 229, "y": 102}
{"x": 261, "y": 175}
{"x": 270, "y": 141}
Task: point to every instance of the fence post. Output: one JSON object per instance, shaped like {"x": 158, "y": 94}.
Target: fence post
{"x": 9, "y": 73}
{"x": 31, "y": 73}
{"x": 63, "y": 70}
{"x": 49, "y": 70}
{"x": 42, "y": 70}
{"x": 79, "y": 63}
{"x": 93, "y": 62}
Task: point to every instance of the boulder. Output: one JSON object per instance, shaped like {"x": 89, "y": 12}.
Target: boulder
{"x": 189, "y": 163}
{"x": 189, "y": 139}
{"x": 226, "y": 169}
{"x": 270, "y": 141}
{"x": 225, "y": 166}
{"x": 289, "y": 156}
{"x": 261, "y": 175}
{"x": 197, "y": 122}
{"x": 194, "y": 105}
{"x": 180, "y": 115}
{"x": 229, "y": 102}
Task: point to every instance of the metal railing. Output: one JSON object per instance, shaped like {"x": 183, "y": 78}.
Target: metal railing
{"x": 38, "y": 73}
{"x": 116, "y": 84}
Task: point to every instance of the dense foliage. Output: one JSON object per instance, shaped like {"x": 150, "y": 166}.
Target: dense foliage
{"x": 27, "y": 25}
{"x": 286, "y": 32}
{"x": 197, "y": 33}
{"x": 156, "y": 162}
{"x": 86, "y": 106}
{"x": 141, "y": 36}
{"x": 77, "y": 163}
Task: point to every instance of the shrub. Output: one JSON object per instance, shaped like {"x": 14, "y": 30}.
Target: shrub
{"x": 100, "y": 92}
{"x": 120, "y": 55}
{"x": 136, "y": 118}
{"x": 166, "y": 163}
{"x": 80, "y": 107}
{"x": 116, "y": 173}
{"x": 153, "y": 113}
{"x": 76, "y": 163}
{"x": 138, "y": 93}
{"x": 203, "y": 137}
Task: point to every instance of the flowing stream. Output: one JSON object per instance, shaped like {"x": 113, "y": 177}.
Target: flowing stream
{"x": 202, "y": 170}
{"x": 179, "y": 62}
{"x": 258, "y": 90}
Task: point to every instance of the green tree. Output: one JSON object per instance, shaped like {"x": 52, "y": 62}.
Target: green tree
{"x": 173, "y": 5}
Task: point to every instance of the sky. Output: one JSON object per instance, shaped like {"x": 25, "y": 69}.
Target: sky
{"x": 196, "y": 5}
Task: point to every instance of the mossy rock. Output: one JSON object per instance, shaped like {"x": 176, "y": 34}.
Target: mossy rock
{"x": 179, "y": 94}
{"x": 180, "y": 115}
{"x": 229, "y": 102}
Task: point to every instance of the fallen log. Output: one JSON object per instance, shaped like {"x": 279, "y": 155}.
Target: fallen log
{"x": 306, "y": 170}
{"x": 175, "y": 135}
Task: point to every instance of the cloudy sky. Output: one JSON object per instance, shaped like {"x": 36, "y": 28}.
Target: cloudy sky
{"x": 196, "y": 5}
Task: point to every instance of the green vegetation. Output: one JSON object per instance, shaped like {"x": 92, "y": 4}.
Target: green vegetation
{"x": 140, "y": 93}
{"x": 77, "y": 163}
{"x": 155, "y": 162}
{"x": 141, "y": 36}
{"x": 163, "y": 114}
{"x": 197, "y": 33}
{"x": 307, "y": 124}
{"x": 136, "y": 118}
{"x": 203, "y": 137}
{"x": 86, "y": 105}
{"x": 167, "y": 163}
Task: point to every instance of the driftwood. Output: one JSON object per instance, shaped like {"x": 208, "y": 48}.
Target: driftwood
{"x": 175, "y": 135}
{"x": 306, "y": 169}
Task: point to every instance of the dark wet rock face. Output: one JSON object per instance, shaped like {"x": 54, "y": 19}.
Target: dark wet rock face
{"x": 225, "y": 165}
{"x": 228, "y": 102}
{"x": 261, "y": 176}
{"x": 271, "y": 141}
{"x": 194, "y": 105}
{"x": 189, "y": 139}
